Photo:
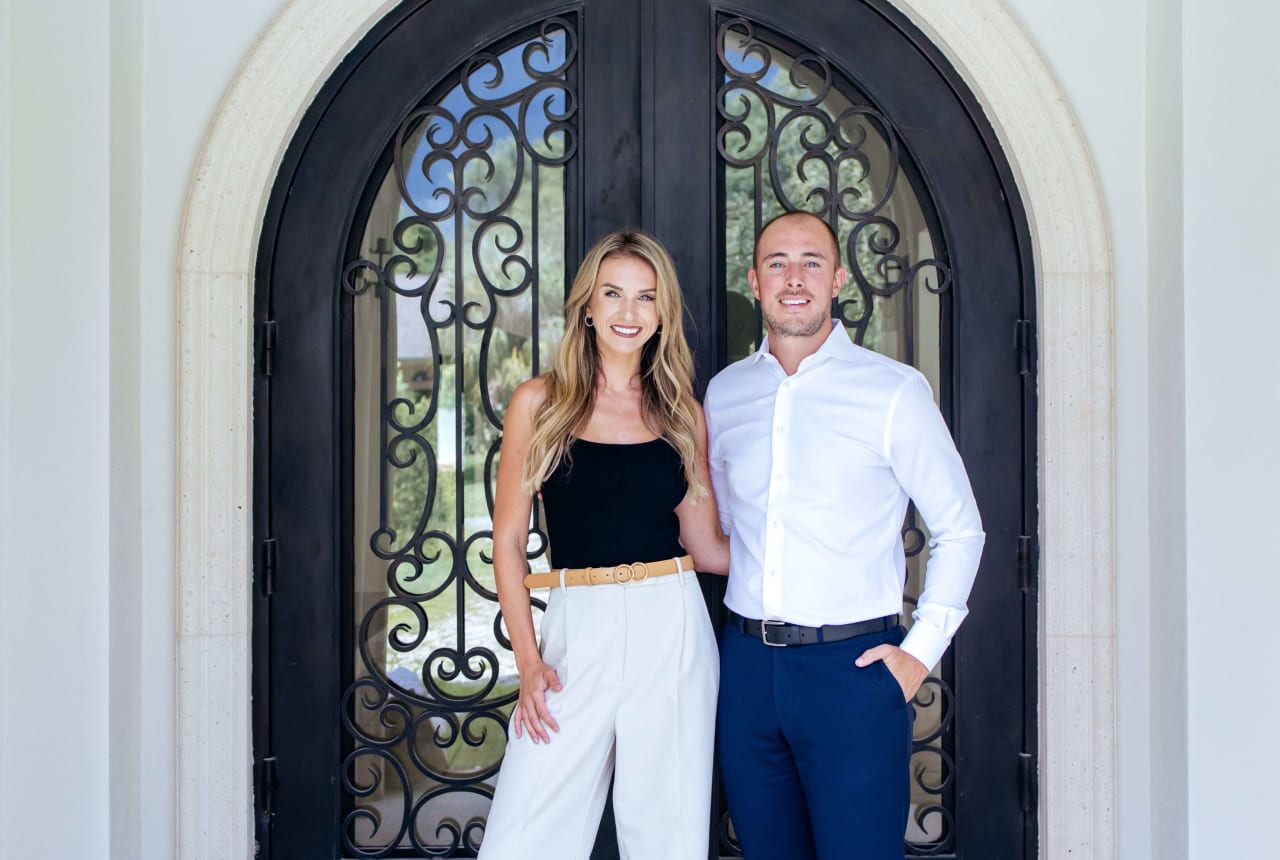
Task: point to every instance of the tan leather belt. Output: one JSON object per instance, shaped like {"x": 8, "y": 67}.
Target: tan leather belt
{"x": 619, "y": 573}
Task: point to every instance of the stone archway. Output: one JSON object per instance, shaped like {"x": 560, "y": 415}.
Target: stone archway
{"x": 222, "y": 221}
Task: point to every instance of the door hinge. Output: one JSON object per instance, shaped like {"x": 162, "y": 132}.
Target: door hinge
{"x": 1028, "y": 781}
{"x": 1023, "y": 336}
{"x": 1028, "y": 564}
{"x": 268, "y": 567}
{"x": 268, "y": 787}
{"x": 268, "y": 347}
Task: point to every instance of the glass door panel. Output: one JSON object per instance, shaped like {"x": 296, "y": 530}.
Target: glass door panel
{"x": 455, "y": 299}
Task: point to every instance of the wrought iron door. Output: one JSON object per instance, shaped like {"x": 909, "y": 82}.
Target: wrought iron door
{"x": 416, "y": 252}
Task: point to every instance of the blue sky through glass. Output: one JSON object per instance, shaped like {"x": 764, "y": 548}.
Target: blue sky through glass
{"x": 514, "y": 79}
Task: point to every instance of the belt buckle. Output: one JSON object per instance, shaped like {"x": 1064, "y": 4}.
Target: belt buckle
{"x": 764, "y": 635}
{"x": 624, "y": 573}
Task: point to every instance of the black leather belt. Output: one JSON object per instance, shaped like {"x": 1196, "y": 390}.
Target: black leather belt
{"x": 779, "y": 633}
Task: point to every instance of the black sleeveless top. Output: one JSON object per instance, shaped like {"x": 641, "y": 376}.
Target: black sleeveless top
{"x": 614, "y": 504}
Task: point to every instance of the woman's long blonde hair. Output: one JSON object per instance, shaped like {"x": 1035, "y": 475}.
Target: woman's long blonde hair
{"x": 666, "y": 367}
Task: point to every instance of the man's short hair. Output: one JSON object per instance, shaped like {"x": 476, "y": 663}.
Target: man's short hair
{"x": 835, "y": 241}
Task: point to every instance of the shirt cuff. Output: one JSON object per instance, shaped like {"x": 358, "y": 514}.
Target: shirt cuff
{"x": 926, "y": 643}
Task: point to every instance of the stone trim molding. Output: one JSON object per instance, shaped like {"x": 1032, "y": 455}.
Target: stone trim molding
{"x": 221, "y": 225}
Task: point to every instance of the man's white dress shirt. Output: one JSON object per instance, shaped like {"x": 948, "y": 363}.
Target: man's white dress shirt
{"x": 812, "y": 475}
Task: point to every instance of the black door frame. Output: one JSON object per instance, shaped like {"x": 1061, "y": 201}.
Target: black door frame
{"x": 297, "y": 746}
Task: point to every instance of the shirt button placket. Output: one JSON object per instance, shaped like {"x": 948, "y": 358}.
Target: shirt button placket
{"x": 771, "y": 591}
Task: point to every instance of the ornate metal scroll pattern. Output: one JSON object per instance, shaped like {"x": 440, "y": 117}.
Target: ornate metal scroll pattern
{"x": 931, "y": 829}
{"x": 472, "y": 172}
{"x": 794, "y": 137}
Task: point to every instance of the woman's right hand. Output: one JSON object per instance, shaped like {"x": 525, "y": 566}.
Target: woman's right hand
{"x": 531, "y": 711}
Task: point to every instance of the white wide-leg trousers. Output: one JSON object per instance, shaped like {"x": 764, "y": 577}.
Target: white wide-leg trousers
{"x": 640, "y": 670}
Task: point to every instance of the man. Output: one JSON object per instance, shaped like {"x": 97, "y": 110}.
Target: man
{"x": 816, "y": 446}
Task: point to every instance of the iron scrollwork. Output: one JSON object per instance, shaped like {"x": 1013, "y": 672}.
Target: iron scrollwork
{"x": 798, "y": 134}
{"x": 472, "y": 170}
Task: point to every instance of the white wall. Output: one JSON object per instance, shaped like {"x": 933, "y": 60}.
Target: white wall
{"x": 6, "y": 365}
{"x": 1233, "y": 421}
{"x": 55, "y": 703}
{"x": 125, "y": 560}
{"x": 103, "y": 108}
{"x": 1166, "y": 646}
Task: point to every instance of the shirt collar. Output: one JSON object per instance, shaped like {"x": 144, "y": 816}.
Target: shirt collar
{"x": 836, "y": 345}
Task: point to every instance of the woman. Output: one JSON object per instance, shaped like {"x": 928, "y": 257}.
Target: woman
{"x": 625, "y": 685}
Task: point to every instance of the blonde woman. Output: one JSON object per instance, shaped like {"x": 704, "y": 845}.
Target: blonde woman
{"x": 625, "y": 684}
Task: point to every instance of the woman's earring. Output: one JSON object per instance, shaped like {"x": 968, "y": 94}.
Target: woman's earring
{"x": 588, "y": 321}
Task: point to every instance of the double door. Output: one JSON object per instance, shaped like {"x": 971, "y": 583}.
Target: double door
{"x": 417, "y": 249}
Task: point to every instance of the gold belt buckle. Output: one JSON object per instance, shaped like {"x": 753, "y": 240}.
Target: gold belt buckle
{"x": 625, "y": 573}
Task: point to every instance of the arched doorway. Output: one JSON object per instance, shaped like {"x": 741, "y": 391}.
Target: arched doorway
{"x": 650, "y": 122}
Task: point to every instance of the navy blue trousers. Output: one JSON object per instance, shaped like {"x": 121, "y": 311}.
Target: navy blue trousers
{"x": 813, "y": 750}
